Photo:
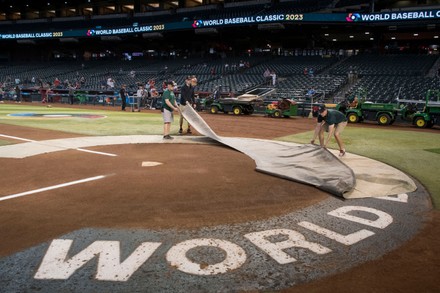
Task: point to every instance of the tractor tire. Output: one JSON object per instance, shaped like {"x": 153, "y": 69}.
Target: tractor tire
{"x": 384, "y": 119}
{"x": 214, "y": 110}
{"x": 420, "y": 122}
{"x": 353, "y": 118}
{"x": 277, "y": 114}
{"x": 237, "y": 111}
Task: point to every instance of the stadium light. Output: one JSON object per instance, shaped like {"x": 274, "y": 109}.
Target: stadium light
{"x": 207, "y": 30}
{"x": 435, "y": 37}
{"x": 27, "y": 42}
{"x": 111, "y": 38}
{"x": 152, "y": 35}
{"x": 270, "y": 26}
{"x": 69, "y": 40}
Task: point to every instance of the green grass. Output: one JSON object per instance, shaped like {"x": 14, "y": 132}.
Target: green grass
{"x": 116, "y": 122}
{"x": 4, "y": 142}
{"x": 414, "y": 152}
{"x": 435, "y": 151}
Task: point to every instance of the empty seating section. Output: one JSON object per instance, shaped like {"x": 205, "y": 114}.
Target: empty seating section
{"x": 320, "y": 87}
{"x": 230, "y": 83}
{"x": 370, "y": 64}
{"x": 384, "y": 78}
{"x": 387, "y": 89}
{"x": 293, "y": 65}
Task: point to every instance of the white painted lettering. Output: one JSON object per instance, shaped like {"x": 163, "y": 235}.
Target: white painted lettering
{"x": 381, "y": 222}
{"x": 275, "y": 249}
{"x": 235, "y": 257}
{"x": 55, "y": 264}
{"x": 349, "y": 239}
{"x": 400, "y": 198}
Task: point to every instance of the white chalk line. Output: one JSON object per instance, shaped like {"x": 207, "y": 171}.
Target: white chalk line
{"x": 17, "y": 138}
{"x": 51, "y": 187}
{"x": 95, "y": 152}
{"x": 78, "y": 149}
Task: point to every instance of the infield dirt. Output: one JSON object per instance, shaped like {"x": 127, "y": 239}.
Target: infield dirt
{"x": 219, "y": 187}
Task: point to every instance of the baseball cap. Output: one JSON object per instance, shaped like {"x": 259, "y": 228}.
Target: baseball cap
{"x": 322, "y": 108}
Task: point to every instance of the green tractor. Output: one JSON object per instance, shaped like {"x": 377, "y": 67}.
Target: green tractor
{"x": 430, "y": 115}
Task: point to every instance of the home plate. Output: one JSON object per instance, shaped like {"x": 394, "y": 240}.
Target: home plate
{"x": 150, "y": 164}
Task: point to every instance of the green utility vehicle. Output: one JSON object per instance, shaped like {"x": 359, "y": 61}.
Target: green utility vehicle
{"x": 384, "y": 114}
{"x": 283, "y": 108}
{"x": 358, "y": 110}
{"x": 430, "y": 115}
{"x": 236, "y": 106}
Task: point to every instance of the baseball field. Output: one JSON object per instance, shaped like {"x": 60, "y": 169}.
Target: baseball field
{"x": 412, "y": 266}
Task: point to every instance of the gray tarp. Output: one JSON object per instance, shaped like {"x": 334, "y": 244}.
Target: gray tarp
{"x": 308, "y": 164}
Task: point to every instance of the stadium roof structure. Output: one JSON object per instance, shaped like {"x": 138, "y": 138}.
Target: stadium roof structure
{"x": 200, "y": 24}
{"x": 36, "y": 9}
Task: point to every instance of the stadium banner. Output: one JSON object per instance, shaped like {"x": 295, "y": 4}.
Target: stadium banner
{"x": 384, "y": 18}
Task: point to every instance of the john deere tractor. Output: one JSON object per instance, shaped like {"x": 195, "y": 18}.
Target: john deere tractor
{"x": 357, "y": 110}
{"x": 430, "y": 115}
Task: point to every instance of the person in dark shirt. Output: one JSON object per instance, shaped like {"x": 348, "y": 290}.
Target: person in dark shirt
{"x": 123, "y": 96}
{"x": 18, "y": 94}
{"x": 333, "y": 122}
{"x": 186, "y": 98}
